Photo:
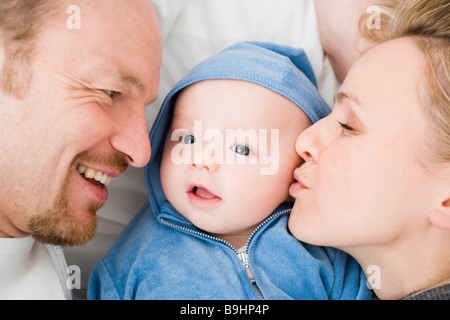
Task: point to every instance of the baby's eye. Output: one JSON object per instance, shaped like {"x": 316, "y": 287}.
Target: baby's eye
{"x": 187, "y": 139}
{"x": 241, "y": 149}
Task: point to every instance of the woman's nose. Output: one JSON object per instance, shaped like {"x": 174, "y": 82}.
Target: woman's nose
{"x": 310, "y": 142}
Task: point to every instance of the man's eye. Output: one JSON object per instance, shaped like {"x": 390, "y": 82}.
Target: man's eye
{"x": 111, "y": 93}
{"x": 241, "y": 149}
{"x": 187, "y": 139}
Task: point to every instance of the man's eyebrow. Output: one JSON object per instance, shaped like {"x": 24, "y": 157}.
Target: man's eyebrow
{"x": 134, "y": 82}
{"x": 342, "y": 95}
{"x": 131, "y": 81}
{"x": 96, "y": 77}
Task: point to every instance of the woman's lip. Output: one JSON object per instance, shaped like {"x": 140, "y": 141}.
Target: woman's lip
{"x": 299, "y": 180}
{"x": 297, "y": 186}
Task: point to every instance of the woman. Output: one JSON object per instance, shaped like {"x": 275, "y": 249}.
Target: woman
{"x": 376, "y": 177}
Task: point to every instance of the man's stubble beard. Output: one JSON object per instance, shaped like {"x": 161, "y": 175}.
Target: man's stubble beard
{"x": 59, "y": 226}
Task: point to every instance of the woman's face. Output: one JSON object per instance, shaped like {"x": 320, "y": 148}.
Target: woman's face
{"x": 363, "y": 181}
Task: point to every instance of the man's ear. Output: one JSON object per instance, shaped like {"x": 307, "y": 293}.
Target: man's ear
{"x": 440, "y": 216}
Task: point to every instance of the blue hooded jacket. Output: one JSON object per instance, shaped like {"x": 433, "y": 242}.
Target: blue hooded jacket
{"x": 162, "y": 255}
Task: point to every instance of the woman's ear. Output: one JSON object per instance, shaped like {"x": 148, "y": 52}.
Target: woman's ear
{"x": 440, "y": 216}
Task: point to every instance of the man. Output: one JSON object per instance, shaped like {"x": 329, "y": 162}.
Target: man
{"x": 72, "y": 99}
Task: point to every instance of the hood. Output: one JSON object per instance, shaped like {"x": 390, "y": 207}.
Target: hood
{"x": 282, "y": 69}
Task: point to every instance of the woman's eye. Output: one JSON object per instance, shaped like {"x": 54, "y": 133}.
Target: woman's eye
{"x": 347, "y": 129}
{"x": 241, "y": 149}
{"x": 187, "y": 139}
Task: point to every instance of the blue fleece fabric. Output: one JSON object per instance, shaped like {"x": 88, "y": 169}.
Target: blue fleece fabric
{"x": 162, "y": 255}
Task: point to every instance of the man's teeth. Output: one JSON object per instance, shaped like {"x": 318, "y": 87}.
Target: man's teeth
{"x": 92, "y": 174}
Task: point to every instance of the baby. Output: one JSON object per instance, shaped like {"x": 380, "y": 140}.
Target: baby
{"x": 218, "y": 181}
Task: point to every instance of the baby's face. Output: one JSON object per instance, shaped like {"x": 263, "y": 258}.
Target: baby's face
{"x": 230, "y": 154}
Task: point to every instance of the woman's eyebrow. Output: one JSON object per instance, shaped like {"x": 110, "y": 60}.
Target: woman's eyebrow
{"x": 342, "y": 95}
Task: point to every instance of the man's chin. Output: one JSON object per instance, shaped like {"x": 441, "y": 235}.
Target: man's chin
{"x": 64, "y": 228}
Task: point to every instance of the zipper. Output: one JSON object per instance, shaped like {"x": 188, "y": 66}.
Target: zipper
{"x": 273, "y": 216}
{"x": 243, "y": 256}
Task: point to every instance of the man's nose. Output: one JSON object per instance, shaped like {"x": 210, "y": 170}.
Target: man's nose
{"x": 131, "y": 138}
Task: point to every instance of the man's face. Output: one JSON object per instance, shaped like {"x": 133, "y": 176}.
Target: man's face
{"x": 82, "y": 120}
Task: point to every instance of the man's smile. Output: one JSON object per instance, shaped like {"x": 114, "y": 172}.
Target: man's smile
{"x": 96, "y": 177}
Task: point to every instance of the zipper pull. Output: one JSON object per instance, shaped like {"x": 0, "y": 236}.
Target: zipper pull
{"x": 244, "y": 259}
{"x": 243, "y": 256}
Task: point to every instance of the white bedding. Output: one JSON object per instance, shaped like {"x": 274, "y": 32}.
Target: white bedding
{"x": 193, "y": 30}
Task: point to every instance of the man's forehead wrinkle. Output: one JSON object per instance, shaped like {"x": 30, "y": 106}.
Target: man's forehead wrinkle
{"x": 93, "y": 74}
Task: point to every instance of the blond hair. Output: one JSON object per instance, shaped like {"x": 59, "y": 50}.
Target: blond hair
{"x": 427, "y": 23}
{"x": 20, "y": 24}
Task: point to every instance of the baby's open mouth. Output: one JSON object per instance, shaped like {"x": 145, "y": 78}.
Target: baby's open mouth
{"x": 201, "y": 197}
{"x": 97, "y": 178}
{"x": 203, "y": 193}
